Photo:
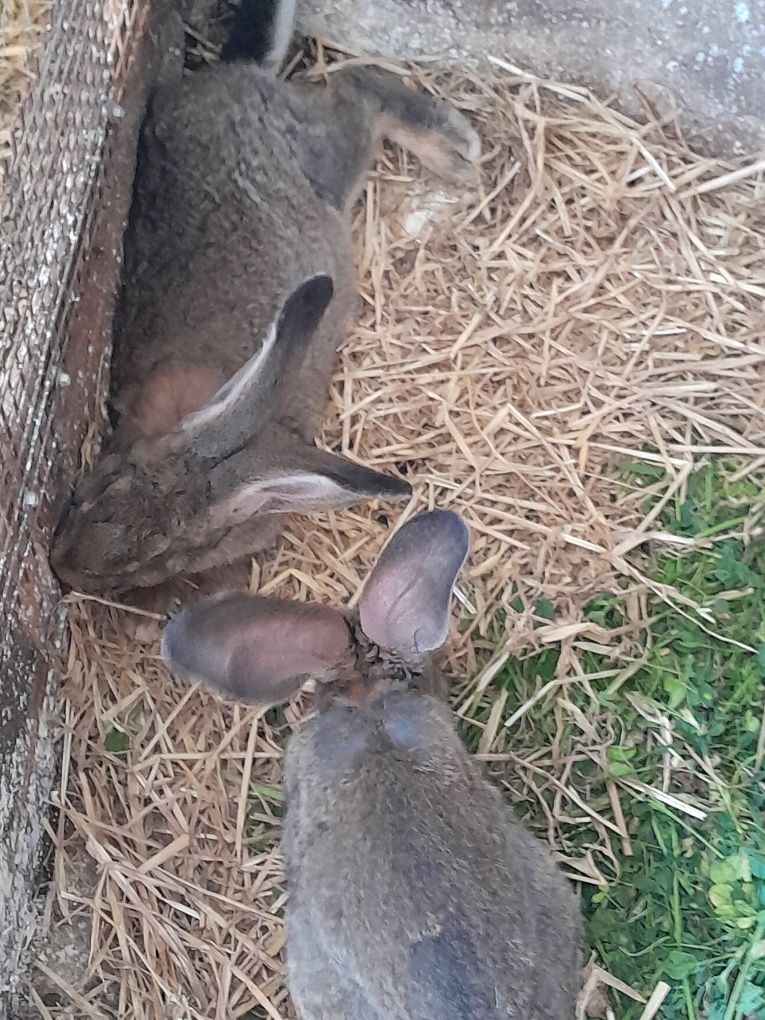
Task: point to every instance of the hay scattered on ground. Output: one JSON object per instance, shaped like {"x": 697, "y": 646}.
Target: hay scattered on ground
{"x": 599, "y": 300}
{"x": 22, "y": 23}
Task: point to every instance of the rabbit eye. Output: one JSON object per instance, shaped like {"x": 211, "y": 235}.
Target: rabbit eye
{"x": 99, "y": 502}
{"x": 118, "y": 488}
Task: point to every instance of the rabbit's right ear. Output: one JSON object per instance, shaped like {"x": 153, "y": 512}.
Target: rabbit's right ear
{"x": 255, "y": 649}
{"x": 230, "y": 417}
{"x": 405, "y": 603}
{"x": 261, "y": 31}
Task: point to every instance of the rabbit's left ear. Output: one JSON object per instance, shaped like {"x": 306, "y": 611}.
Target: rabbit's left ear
{"x": 284, "y": 475}
{"x": 405, "y": 603}
{"x": 240, "y": 407}
{"x": 258, "y": 650}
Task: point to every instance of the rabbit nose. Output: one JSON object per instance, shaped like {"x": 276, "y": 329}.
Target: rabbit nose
{"x": 60, "y": 561}
{"x": 72, "y": 551}
{"x": 61, "y": 545}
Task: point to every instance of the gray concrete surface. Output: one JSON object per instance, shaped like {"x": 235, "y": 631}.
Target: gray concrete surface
{"x": 703, "y": 58}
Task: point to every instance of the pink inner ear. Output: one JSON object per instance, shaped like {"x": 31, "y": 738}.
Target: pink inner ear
{"x": 288, "y": 651}
{"x": 277, "y": 495}
{"x": 256, "y": 649}
{"x": 404, "y": 617}
{"x": 384, "y": 610}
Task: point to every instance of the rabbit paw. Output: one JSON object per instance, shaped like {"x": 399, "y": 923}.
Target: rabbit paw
{"x": 451, "y": 147}
{"x": 463, "y": 138}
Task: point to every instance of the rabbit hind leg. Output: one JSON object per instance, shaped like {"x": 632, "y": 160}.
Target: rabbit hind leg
{"x": 437, "y": 133}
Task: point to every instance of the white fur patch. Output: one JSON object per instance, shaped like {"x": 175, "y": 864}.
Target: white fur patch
{"x": 284, "y": 21}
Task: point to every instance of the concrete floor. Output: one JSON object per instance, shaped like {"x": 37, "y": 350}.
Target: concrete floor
{"x": 702, "y": 58}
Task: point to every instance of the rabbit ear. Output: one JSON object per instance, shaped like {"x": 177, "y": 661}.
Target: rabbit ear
{"x": 227, "y": 420}
{"x": 405, "y": 603}
{"x": 287, "y": 476}
{"x": 257, "y": 650}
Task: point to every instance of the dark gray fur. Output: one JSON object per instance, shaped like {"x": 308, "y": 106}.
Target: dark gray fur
{"x": 243, "y": 192}
{"x": 413, "y": 892}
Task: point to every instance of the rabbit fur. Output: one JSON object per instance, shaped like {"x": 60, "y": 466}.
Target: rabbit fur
{"x": 238, "y": 240}
{"x": 413, "y": 893}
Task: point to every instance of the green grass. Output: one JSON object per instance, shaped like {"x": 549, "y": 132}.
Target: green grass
{"x": 688, "y": 907}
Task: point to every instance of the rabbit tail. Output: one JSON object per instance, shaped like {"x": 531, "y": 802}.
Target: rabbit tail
{"x": 261, "y": 32}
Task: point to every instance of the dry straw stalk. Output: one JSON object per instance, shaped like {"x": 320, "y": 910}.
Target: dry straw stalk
{"x": 598, "y": 298}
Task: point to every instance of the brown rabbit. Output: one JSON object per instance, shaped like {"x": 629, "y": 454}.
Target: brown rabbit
{"x": 241, "y": 206}
{"x": 414, "y": 895}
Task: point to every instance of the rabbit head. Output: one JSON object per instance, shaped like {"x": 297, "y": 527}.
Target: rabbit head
{"x": 218, "y": 485}
{"x": 261, "y": 650}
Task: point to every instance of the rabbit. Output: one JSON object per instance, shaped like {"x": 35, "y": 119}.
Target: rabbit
{"x": 413, "y": 894}
{"x": 238, "y": 239}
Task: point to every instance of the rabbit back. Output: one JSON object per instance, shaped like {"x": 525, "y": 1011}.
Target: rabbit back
{"x": 411, "y": 883}
{"x": 224, "y": 225}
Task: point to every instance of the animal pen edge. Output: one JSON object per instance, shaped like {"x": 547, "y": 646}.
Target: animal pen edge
{"x": 67, "y": 193}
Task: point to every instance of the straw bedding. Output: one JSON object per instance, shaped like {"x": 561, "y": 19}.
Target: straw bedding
{"x": 22, "y": 23}
{"x": 597, "y": 299}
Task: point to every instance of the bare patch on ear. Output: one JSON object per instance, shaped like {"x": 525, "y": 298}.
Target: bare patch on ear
{"x": 172, "y": 392}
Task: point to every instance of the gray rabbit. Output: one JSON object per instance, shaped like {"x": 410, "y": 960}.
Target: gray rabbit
{"x": 413, "y": 893}
{"x": 239, "y": 286}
